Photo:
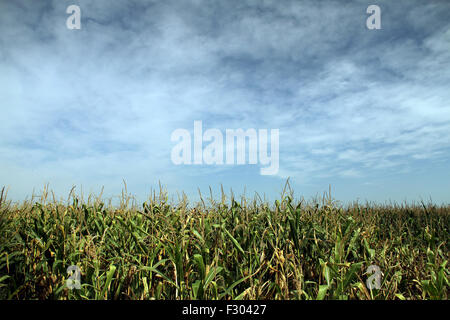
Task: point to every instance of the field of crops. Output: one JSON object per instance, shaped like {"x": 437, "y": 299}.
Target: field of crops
{"x": 228, "y": 248}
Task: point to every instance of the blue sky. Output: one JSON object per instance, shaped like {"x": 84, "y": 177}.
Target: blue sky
{"x": 365, "y": 111}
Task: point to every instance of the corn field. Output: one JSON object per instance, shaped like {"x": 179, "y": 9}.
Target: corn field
{"x": 235, "y": 248}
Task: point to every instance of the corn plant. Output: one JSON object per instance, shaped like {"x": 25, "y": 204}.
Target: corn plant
{"x": 226, "y": 249}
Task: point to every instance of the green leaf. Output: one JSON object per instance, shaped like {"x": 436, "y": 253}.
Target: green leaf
{"x": 236, "y": 244}
{"x": 323, "y": 288}
{"x": 212, "y": 273}
{"x": 233, "y": 285}
{"x": 109, "y": 275}
{"x": 400, "y": 296}
{"x": 351, "y": 273}
{"x": 198, "y": 235}
{"x": 198, "y": 259}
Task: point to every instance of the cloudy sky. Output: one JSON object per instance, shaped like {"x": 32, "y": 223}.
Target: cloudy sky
{"x": 365, "y": 111}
